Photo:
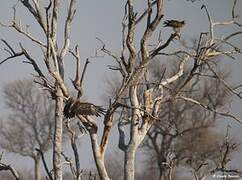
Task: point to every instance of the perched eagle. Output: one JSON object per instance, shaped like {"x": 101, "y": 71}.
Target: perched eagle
{"x": 75, "y": 107}
{"x": 176, "y": 25}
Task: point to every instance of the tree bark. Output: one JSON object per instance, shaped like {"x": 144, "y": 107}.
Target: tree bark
{"x": 58, "y": 135}
{"x": 162, "y": 170}
{"x": 161, "y": 173}
{"x": 99, "y": 158}
{"x": 37, "y": 172}
{"x": 129, "y": 163}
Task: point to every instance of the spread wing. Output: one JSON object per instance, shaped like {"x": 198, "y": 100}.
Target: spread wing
{"x": 174, "y": 23}
{"x": 168, "y": 23}
{"x": 67, "y": 109}
{"x": 89, "y": 109}
{"x": 76, "y": 107}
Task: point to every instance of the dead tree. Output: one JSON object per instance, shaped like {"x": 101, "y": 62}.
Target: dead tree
{"x": 53, "y": 81}
{"x": 140, "y": 111}
{"x": 30, "y": 123}
{"x": 5, "y": 167}
{"x": 219, "y": 161}
{"x": 53, "y": 57}
{"x": 180, "y": 119}
{"x": 139, "y": 97}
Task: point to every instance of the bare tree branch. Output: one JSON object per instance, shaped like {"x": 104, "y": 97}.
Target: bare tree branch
{"x": 4, "y": 167}
{"x": 210, "y": 109}
{"x": 45, "y": 164}
{"x": 71, "y": 13}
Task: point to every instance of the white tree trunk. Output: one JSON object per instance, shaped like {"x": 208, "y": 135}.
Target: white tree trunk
{"x": 98, "y": 157}
{"x": 37, "y": 172}
{"x": 58, "y": 135}
{"x": 130, "y": 152}
{"x": 129, "y": 163}
{"x": 99, "y": 160}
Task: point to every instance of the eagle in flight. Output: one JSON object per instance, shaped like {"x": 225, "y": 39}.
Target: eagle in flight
{"x": 175, "y": 24}
{"x": 75, "y": 107}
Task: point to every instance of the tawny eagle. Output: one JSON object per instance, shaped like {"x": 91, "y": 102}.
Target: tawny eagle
{"x": 175, "y": 24}
{"x": 75, "y": 107}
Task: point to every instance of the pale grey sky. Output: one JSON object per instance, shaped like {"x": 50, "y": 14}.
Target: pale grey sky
{"x": 96, "y": 18}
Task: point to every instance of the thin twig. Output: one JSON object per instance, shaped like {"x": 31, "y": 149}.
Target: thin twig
{"x": 44, "y": 163}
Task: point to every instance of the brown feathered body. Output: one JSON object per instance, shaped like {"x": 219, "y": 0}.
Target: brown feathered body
{"x": 75, "y": 107}
{"x": 175, "y": 24}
